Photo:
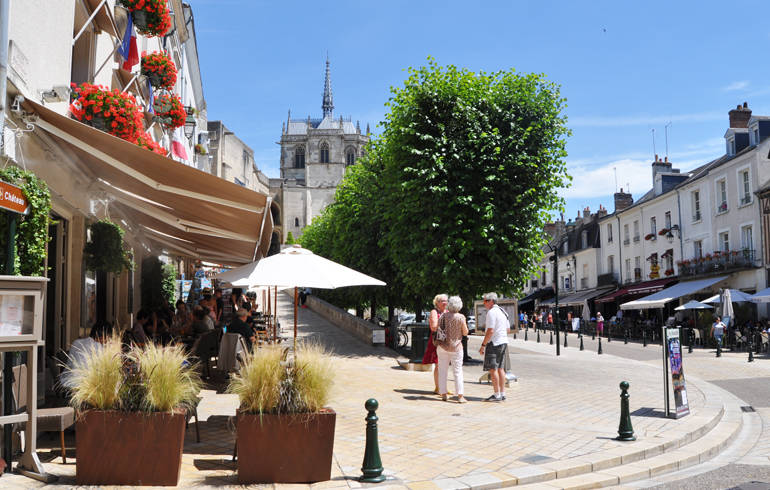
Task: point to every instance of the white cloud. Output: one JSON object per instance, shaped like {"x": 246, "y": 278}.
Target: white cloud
{"x": 590, "y": 182}
{"x": 735, "y": 86}
{"x": 641, "y": 120}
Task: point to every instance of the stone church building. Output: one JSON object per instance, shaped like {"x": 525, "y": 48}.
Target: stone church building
{"x": 314, "y": 155}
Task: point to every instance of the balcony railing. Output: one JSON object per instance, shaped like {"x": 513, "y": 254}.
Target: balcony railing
{"x": 607, "y": 279}
{"x": 724, "y": 261}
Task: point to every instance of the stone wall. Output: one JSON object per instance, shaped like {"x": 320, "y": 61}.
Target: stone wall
{"x": 362, "y": 329}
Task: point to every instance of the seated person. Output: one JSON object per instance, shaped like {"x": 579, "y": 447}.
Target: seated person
{"x": 182, "y": 319}
{"x": 240, "y": 326}
{"x": 199, "y": 324}
{"x": 138, "y": 332}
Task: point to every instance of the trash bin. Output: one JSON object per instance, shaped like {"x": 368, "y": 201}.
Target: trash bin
{"x": 420, "y": 336}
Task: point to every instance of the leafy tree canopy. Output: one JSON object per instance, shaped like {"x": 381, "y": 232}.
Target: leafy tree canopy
{"x": 473, "y": 164}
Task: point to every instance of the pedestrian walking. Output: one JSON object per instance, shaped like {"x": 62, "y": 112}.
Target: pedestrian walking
{"x": 430, "y": 357}
{"x": 599, "y": 323}
{"x": 494, "y": 347}
{"x": 449, "y": 349}
{"x": 718, "y": 330}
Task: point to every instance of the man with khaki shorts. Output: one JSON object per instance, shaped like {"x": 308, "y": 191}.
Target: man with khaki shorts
{"x": 494, "y": 347}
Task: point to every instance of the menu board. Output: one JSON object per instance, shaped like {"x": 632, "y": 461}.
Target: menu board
{"x": 17, "y": 315}
{"x": 674, "y": 354}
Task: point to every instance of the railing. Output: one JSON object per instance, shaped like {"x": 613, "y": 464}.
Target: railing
{"x": 607, "y": 279}
{"x": 723, "y": 261}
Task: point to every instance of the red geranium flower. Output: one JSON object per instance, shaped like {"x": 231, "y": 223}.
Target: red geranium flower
{"x": 156, "y": 21}
{"x": 170, "y": 111}
{"x": 160, "y": 69}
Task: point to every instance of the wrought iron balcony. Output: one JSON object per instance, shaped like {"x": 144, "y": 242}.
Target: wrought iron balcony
{"x": 718, "y": 262}
{"x": 607, "y": 279}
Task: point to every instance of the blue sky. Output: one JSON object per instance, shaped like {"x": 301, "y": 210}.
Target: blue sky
{"x": 625, "y": 68}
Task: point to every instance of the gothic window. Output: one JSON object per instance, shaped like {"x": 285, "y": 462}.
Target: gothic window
{"x": 350, "y": 156}
{"x": 296, "y": 221}
{"x": 324, "y": 152}
{"x": 299, "y": 157}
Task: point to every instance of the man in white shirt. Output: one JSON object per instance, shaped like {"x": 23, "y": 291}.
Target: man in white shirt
{"x": 494, "y": 347}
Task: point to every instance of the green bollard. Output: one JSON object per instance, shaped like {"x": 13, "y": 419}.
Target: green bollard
{"x": 625, "y": 429}
{"x": 372, "y": 466}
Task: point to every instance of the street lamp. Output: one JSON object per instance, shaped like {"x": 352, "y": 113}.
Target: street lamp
{"x": 555, "y": 259}
{"x": 189, "y": 126}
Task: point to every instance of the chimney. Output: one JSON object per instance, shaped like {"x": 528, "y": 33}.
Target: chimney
{"x": 602, "y": 212}
{"x": 660, "y": 166}
{"x": 739, "y": 117}
{"x": 586, "y": 212}
{"x": 622, "y": 200}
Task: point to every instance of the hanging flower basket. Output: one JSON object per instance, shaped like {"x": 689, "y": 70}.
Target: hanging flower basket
{"x": 111, "y": 111}
{"x": 145, "y": 141}
{"x": 151, "y": 17}
{"x": 104, "y": 251}
{"x": 200, "y": 149}
{"x": 169, "y": 111}
{"x": 649, "y": 236}
{"x": 669, "y": 272}
{"x": 663, "y": 231}
{"x": 159, "y": 68}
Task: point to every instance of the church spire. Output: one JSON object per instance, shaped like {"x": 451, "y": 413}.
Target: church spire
{"x": 328, "y": 101}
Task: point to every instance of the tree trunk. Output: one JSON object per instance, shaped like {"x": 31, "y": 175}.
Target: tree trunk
{"x": 373, "y": 315}
{"x": 417, "y": 309}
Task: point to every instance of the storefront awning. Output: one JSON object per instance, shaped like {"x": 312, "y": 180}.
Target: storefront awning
{"x": 178, "y": 207}
{"x": 538, "y": 294}
{"x": 659, "y": 299}
{"x": 608, "y": 298}
{"x": 578, "y": 298}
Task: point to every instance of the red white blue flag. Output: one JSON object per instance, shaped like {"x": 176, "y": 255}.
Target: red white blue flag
{"x": 128, "y": 49}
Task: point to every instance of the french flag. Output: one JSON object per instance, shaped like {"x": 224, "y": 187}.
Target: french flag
{"x": 177, "y": 148}
{"x": 128, "y": 49}
{"x": 151, "y": 102}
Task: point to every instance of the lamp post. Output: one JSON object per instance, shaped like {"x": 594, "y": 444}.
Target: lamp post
{"x": 555, "y": 259}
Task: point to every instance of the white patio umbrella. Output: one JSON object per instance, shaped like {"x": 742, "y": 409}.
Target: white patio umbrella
{"x": 693, "y": 305}
{"x": 300, "y": 268}
{"x": 727, "y": 305}
{"x": 736, "y": 295}
{"x": 586, "y": 313}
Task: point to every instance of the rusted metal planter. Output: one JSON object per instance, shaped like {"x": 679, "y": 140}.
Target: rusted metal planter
{"x": 294, "y": 448}
{"x": 129, "y": 448}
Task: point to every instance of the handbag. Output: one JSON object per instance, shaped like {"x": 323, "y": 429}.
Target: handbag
{"x": 439, "y": 336}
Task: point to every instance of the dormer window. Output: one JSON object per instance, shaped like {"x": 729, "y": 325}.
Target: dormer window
{"x": 754, "y": 134}
{"x": 731, "y": 146}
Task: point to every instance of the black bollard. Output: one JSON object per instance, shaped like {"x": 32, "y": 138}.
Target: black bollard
{"x": 644, "y": 338}
{"x": 514, "y": 335}
{"x": 625, "y": 429}
{"x": 593, "y": 334}
{"x": 751, "y": 346}
{"x": 600, "y": 346}
{"x": 581, "y": 343}
{"x": 609, "y": 334}
{"x": 372, "y": 466}
{"x": 538, "y": 336}
{"x": 625, "y": 336}
{"x": 565, "y": 338}
{"x": 691, "y": 338}
{"x": 526, "y": 332}
{"x": 758, "y": 343}
{"x": 551, "y": 341}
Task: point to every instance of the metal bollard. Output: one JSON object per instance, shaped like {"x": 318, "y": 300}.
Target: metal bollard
{"x": 538, "y": 336}
{"x": 609, "y": 334}
{"x": 565, "y": 338}
{"x": 600, "y": 346}
{"x": 625, "y": 429}
{"x": 719, "y": 349}
{"x": 644, "y": 337}
{"x": 526, "y": 332}
{"x": 551, "y": 341}
{"x": 581, "y": 343}
{"x": 372, "y": 466}
{"x": 691, "y": 338}
{"x": 593, "y": 334}
{"x": 751, "y": 346}
{"x": 625, "y": 336}
{"x": 514, "y": 335}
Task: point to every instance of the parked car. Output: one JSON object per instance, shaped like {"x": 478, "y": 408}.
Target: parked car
{"x": 405, "y": 318}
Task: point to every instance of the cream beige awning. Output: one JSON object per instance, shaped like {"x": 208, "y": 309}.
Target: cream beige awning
{"x": 178, "y": 207}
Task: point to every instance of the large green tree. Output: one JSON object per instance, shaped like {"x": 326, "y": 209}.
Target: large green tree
{"x": 472, "y": 166}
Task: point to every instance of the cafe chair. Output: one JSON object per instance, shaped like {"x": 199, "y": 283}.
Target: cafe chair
{"x": 56, "y": 419}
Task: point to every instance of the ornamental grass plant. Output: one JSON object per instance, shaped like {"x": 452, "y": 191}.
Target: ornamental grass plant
{"x": 142, "y": 379}
{"x": 268, "y": 383}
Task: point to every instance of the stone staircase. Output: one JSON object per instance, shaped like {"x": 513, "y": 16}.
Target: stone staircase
{"x": 698, "y": 440}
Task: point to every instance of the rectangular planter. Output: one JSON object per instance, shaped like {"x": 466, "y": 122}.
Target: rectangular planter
{"x": 128, "y": 448}
{"x": 294, "y": 448}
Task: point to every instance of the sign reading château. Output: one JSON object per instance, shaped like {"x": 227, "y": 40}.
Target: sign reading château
{"x": 12, "y": 198}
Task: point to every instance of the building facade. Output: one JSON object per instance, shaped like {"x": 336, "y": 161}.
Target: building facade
{"x": 314, "y": 156}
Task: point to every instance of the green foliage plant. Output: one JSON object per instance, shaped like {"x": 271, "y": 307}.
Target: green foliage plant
{"x": 290, "y": 239}
{"x": 168, "y": 380}
{"x": 32, "y": 228}
{"x": 472, "y": 166}
{"x": 105, "y": 251}
{"x": 267, "y": 383}
{"x": 168, "y": 283}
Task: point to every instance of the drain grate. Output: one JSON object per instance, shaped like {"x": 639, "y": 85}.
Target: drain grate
{"x": 748, "y": 408}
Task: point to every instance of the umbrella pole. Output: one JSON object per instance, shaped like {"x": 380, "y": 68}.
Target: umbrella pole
{"x": 295, "y": 321}
{"x": 275, "y": 313}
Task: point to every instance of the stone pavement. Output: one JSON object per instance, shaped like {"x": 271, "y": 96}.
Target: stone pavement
{"x": 556, "y": 428}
